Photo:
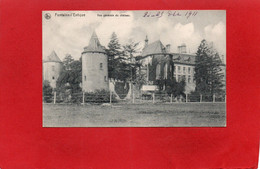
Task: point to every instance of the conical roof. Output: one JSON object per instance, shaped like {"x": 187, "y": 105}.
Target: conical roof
{"x": 153, "y": 48}
{"x": 52, "y": 57}
{"x": 94, "y": 45}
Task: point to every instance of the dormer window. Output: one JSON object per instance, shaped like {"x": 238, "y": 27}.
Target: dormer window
{"x": 188, "y": 60}
{"x": 101, "y": 66}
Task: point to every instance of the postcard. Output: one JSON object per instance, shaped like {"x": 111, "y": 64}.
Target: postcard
{"x": 134, "y": 68}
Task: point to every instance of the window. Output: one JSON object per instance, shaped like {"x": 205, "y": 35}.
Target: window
{"x": 184, "y": 70}
{"x": 179, "y": 69}
{"x": 53, "y": 77}
{"x": 175, "y": 69}
{"x": 53, "y": 68}
{"x": 158, "y": 71}
{"x": 101, "y": 66}
{"x": 183, "y": 77}
{"x": 175, "y": 77}
{"x": 189, "y": 70}
{"x": 85, "y": 77}
{"x": 105, "y": 78}
{"x": 179, "y": 78}
{"x": 165, "y": 71}
{"x": 189, "y": 79}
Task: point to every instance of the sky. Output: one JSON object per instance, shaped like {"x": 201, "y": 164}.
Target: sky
{"x": 68, "y": 32}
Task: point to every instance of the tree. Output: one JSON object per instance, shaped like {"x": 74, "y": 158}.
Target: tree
{"x": 208, "y": 72}
{"x": 46, "y": 91}
{"x": 175, "y": 88}
{"x": 114, "y": 54}
{"x": 67, "y": 61}
{"x": 130, "y": 50}
{"x": 70, "y": 79}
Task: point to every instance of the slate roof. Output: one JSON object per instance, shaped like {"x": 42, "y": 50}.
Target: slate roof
{"x": 94, "y": 45}
{"x": 153, "y": 48}
{"x": 183, "y": 58}
{"x": 52, "y": 57}
{"x": 158, "y": 48}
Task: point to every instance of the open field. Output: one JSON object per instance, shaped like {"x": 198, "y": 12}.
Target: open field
{"x": 135, "y": 115}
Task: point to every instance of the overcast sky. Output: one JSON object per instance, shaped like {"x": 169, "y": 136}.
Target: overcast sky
{"x": 70, "y": 34}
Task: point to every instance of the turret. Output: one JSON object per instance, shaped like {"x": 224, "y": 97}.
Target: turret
{"x": 94, "y": 66}
{"x": 52, "y": 66}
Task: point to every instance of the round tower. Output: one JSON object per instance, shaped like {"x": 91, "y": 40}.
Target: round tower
{"x": 52, "y": 66}
{"x": 94, "y": 66}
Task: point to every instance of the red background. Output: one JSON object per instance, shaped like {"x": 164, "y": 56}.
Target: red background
{"x": 25, "y": 144}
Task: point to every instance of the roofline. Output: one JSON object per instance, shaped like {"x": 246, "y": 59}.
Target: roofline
{"x": 183, "y": 54}
{"x": 155, "y": 54}
{"x": 181, "y": 63}
{"x": 93, "y": 52}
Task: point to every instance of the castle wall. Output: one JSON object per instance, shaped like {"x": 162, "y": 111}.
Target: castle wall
{"x": 185, "y": 72}
{"x": 94, "y": 72}
{"x": 51, "y": 72}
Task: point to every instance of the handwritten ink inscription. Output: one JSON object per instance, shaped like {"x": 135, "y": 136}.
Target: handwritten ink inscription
{"x": 158, "y": 14}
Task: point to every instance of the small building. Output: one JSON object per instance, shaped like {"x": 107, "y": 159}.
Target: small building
{"x": 94, "y": 66}
{"x": 52, "y": 67}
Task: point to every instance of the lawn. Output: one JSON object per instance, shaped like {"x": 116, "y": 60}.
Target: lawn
{"x": 135, "y": 115}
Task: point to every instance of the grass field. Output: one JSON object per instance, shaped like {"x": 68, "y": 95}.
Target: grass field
{"x": 135, "y": 115}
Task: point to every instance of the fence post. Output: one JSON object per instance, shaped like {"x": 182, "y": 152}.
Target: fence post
{"x": 186, "y": 98}
{"x": 200, "y": 97}
{"x": 214, "y": 97}
{"x": 110, "y": 98}
{"x": 153, "y": 97}
{"x": 171, "y": 98}
{"x": 54, "y": 100}
{"x": 83, "y": 97}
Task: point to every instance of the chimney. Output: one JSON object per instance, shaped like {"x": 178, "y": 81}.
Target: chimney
{"x": 168, "y": 48}
{"x": 182, "y": 48}
{"x": 146, "y": 41}
{"x": 179, "y": 49}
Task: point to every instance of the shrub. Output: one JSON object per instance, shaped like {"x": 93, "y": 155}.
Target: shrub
{"x": 47, "y": 92}
{"x": 194, "y": 97}
{"x": 99, "y": 96}
{"x": 122, "y": 89}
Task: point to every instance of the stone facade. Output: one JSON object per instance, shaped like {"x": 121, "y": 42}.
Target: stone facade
{"x": 160, "y": 63}
{"x": 94, "y": 66}
{"x": 52, "y": 67}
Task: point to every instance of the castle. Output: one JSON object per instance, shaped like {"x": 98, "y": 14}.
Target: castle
{"x": 158, "y": 62}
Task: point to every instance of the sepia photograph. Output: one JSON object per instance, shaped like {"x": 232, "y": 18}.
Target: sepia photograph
{"x": 154, "y": 68}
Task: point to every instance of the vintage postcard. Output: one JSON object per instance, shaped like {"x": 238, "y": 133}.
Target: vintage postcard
{"x": 157, "y": 68}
